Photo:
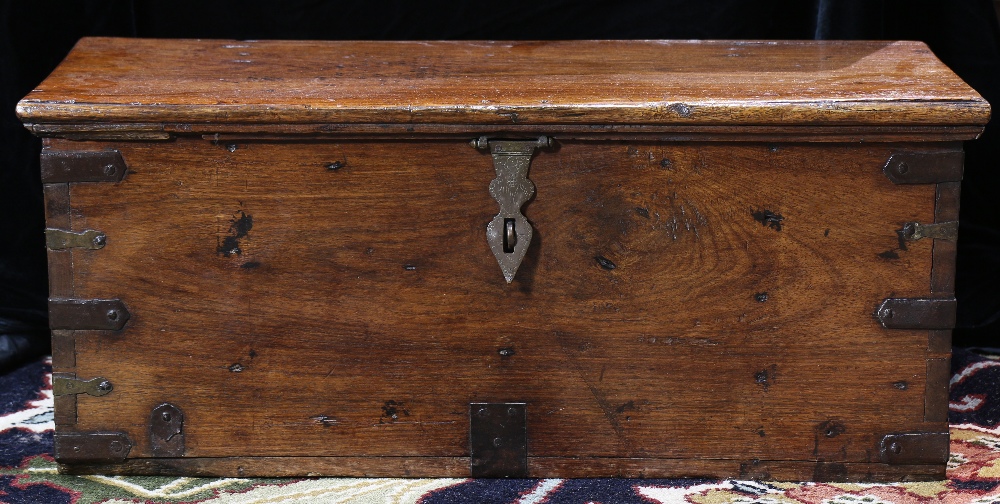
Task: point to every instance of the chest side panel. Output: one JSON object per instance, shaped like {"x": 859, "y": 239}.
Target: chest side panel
{"x": 698, "y": 301}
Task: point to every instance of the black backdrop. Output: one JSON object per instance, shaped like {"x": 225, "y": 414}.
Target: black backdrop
{"x": 37, "y": 34}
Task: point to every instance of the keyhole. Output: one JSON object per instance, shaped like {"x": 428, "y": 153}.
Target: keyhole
{"x": 509, "y": 236}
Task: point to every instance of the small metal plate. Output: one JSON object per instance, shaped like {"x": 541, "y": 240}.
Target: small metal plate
{"x": 913, "y": 231}
{"x": 101, "y": 447}
{"x": 498, "y": 440}
{"x": 166, "y": 431}
{"x": 59, "y": 239}
{"x": 98, "y": 314}
{"x": 915, "y": 448}
{"x": 925, "y": 167}
{"x": 908, "y": 313}
{"x": 82, "y": 166}
{"x": 70, "y": 385}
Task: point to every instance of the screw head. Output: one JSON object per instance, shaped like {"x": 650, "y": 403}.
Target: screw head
{"x": 116, "y": 446}
{"x": 902, "y": 168}
{"x": 511, "y": 411}
{"x": 105, "y": 386}
{"x": 895, "y": 448}
{"x": 112, "y": 315}
{"x": 100, "y": 240}
{"x": 497, "y": 442}
{"x": 165, "y": 416}
{"x": 110, "y": 170}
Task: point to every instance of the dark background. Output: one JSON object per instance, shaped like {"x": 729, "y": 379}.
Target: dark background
{"x": 36, "y": 35}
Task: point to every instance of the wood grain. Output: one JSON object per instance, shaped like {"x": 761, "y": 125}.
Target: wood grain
{"x": 422, "y": 467}
{"x": 201, "y": 84}
{"x": 300, "y": 241}
{"x": 358, "y": 311}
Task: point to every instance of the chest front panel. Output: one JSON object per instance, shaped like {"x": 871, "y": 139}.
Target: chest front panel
{"x": 679, "y": 300}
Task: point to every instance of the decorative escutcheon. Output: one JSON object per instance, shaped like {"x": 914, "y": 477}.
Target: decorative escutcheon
{"x": 509, "y": 233}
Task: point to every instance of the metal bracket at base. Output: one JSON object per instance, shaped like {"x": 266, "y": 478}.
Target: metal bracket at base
{"x": 915, "y": 448}
{"x": 97, "y": 447}
{"x": 166, "y": 431}
{"x": 498, "y": 440}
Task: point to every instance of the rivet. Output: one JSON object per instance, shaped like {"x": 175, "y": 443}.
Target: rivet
{"x": 231, "y": 147}
{"x": 482, "y": 412}
{"x": 887, "y": 313}
{"x": 902, "y": 167}
{"x": 112, "y": 315}
{"x": 497, "y": 442}
{"x": 76, "y": 449}
{"x": 100, "y": 240}
{"x": 165, "y": 416}
{"x": 116, "y": 446}
{"x": 511, "y": 411}
{"x": 110, "y": 170}
{"x": 895, "y": 448}
{"x": 105, "y": 386}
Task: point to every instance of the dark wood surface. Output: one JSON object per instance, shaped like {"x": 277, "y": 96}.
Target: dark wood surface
{"x": 113, "y": 81}
{"x": 370, "y": 290}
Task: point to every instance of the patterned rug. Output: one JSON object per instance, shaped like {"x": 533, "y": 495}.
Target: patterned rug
{"x": 28, "y": 473}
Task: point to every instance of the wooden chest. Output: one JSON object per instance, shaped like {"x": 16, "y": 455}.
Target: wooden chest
{"x": 604, "y": 258}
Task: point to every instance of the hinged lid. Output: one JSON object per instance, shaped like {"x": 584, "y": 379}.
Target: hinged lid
{"x": 202, "y": 86}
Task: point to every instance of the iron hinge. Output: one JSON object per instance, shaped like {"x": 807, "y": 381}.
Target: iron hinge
{"x": 166, "y": 431}
{"x": 98, "y": 314}
{"x": 82, "y": 166}
{"x": 67, "y": 384}
{"x": 97, "y": 447}
{"x": 60, "y": 239}
{"x": 924, "y": 167}
{"x": 498, "y": 440}
{"x": 913, "y": 231}
{"x": 910, "y": 313}
{"x": 915, "y": 448}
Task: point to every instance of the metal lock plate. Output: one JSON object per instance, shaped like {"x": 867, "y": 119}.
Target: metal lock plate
{"x": 509, "y": 233}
